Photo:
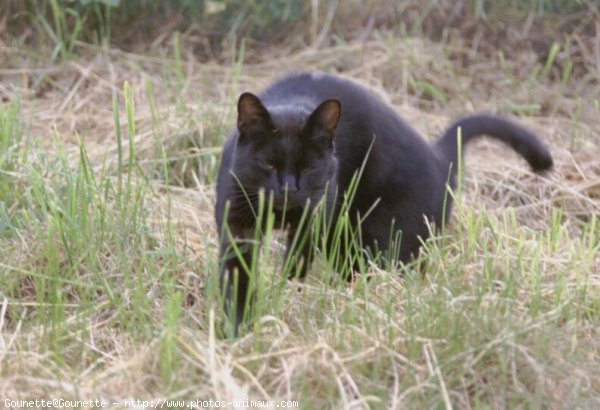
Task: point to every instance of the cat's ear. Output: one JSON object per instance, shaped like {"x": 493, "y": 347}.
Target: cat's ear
{"x": 253, "y": 117}
{"x": 325, "y": 117}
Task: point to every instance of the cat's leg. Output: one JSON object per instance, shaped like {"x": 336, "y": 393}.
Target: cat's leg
{"x": 234, "y": 279}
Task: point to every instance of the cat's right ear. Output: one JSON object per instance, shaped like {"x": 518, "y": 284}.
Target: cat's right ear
{"x": 325, "y": 118}
{"x": 253, "y": 117}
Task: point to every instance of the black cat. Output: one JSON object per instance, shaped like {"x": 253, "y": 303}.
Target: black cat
{"x": 305, "y": 138}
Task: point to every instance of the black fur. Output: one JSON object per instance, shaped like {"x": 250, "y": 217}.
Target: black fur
{"x": 310, "y": 131}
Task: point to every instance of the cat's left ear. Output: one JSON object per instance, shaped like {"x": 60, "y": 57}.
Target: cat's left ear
{"x": 325, "y": 117}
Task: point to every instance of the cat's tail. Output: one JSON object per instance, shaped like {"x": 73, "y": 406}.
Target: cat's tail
{"x": 520, "y": 139}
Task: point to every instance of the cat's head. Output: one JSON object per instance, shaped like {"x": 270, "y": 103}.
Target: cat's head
{"x": 286, "y": 151}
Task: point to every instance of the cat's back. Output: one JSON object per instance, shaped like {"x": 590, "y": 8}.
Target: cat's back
{"x": 306, "y": 83}
{"x": 319, "y": 86}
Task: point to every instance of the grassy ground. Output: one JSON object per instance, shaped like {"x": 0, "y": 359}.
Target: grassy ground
{"x": 108, "y": 245}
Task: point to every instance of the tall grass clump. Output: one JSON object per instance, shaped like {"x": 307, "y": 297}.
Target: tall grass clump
{"x": 92, "y": 252}
{"x": 12, "y": 152}
{"x": 331, "y": 230}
